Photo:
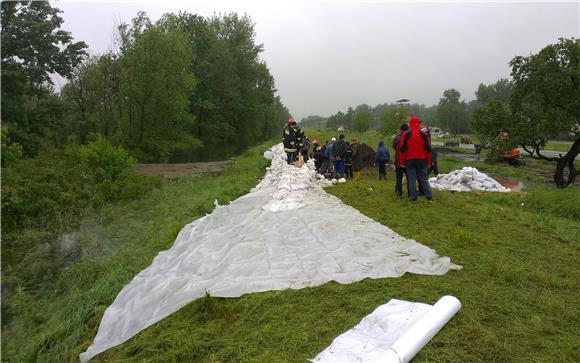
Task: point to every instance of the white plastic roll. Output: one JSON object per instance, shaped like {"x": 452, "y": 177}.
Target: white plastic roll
{"x": 414, "y": 339}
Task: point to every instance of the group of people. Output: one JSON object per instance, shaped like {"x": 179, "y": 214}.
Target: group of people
{"x": 338, "y": 158}
{"x": 414, "y": 157}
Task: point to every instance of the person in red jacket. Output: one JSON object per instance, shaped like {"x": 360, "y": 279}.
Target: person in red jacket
{"x": 399, "y": 167}
{"x": 415, "y": 149}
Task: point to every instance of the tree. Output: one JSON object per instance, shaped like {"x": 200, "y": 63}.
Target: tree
{"x": 33, "y": 48}
{"x": 361, "y": 121}
{"x": 391, "y": 120}
{"x": 498, "y": 91}
{"x": 545, "y": 102}
{"x": 314, "y": 122}
{"x": 489, "y": 121}
{"x": 452, "y": 112}
{"x": 234, "y": 100}
{"x": 335, "y": 120}
{"x": 156, "y": 80}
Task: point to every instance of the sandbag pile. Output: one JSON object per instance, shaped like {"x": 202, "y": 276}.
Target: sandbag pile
{"x": 290, "y": 183}
{"x": 466, "y": 180}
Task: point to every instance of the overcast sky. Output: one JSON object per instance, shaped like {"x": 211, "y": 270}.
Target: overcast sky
{"x": 328, "y": 55}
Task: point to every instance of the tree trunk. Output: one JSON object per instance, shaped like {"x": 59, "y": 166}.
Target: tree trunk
{"x": 567, "y": 161}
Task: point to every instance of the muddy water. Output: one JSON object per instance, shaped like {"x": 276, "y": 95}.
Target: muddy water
{"x": 514, "y": 184}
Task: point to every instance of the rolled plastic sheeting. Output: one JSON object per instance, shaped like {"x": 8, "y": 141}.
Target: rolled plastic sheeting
{"x": 414, "y": 339}
{"x": 394, "y": 333}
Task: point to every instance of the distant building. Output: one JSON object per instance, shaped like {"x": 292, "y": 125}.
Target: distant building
{"x": 342, "y": 128}
{"x": 435, "y": 129}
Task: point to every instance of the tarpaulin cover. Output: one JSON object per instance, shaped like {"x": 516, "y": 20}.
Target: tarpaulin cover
{"x": 466, "y": 179}
{"x": 286, "y": 233}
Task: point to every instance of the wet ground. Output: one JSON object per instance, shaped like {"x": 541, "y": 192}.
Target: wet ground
{"x": 460, "y": 155}
{"x": 180, "y": 170}
{"x": 514, "y": 184}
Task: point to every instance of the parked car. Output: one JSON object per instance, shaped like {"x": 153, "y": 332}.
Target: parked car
{"x": 452, "y": 142}
{"x": 443, "y": 134}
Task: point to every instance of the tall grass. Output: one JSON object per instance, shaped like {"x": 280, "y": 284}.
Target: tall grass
{"x": 519, "y": 287}
{"x": 116, "y": 243}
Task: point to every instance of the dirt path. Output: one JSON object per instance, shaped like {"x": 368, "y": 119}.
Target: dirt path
{"x": 180, "y": 170}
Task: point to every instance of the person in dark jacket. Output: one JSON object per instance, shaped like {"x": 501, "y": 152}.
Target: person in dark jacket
{"x": 348, "y": 161}
{"x": 325, "y": 166}
{"x": 399, "y": 168}
{"x": 382, "y": 157}
{"x": 317, "y": 155}
{"x": 357, "y": 158}
{"x": 291, "y": 139}
{"x": 415, "y": 154}
{"x": 433, "y": 167}
{"x": 304, "y": 148}
{"x": 330, "y": 154}
{"x": 339, "y": 148}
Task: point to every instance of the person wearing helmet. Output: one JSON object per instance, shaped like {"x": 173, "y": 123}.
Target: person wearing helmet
{"x": 290, "y": 136}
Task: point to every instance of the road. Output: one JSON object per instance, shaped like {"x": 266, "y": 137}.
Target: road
{"x": 548, "y": 153}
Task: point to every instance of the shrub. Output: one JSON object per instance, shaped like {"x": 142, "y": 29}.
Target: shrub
{"x": 104, "y": 161}
{"x": 55, "y": 189}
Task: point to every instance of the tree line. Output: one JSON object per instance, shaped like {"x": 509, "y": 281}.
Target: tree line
{"x": 183, "y": 88}
{"x": 450, "y": 113}
{"x": 541, "y": 102}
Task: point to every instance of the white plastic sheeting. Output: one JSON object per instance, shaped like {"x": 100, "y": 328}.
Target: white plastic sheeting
{"x": 466, "y": 180}
{"x": 286, "y": 233}
{"x": 393, "y": 333}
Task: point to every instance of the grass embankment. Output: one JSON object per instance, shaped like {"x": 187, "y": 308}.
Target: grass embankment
{"x": 519, "y": 284}
{"x": 54, "y": 325}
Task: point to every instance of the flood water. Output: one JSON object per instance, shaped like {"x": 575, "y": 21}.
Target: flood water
{"x": 514, "y": 184}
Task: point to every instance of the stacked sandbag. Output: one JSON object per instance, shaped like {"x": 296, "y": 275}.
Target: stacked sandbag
{"x": 290, "y": 183}
{"x": 466, "y": 180}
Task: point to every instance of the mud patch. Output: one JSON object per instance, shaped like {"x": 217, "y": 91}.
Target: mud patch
{"x": 514, "y": 184}
{"x": 181, "y": 170}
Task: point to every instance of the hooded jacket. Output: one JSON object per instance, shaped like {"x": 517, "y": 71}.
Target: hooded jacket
{"x": 382, "y": 153}
{"x": 415, "y": 144}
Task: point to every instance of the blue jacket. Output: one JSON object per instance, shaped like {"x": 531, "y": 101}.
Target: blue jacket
{"x": 329, "y": 151}
{"x": 382, "y": 153}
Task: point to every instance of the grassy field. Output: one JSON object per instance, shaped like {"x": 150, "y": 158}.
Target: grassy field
{"x": 519, "y": 285}
{"x": 55, "y": 324}
{"x": 558, "y": 146}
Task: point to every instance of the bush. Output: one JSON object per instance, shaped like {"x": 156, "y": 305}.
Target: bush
{"x": 104, "y": 161}
{"x": 11, "y": 152}
{"x": 55, "y": 189}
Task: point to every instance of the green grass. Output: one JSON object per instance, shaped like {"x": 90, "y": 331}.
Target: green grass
{"x": 519, "y": 285}
{"x": 558, "y": 146}
{"x": 56, "y": 323}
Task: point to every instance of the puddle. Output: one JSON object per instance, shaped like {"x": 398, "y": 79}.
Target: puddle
{"x": 514, "y": 184}
{"x": 459, "y": 155}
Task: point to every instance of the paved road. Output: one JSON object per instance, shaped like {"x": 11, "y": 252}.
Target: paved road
{"x": 548, "y": 153}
